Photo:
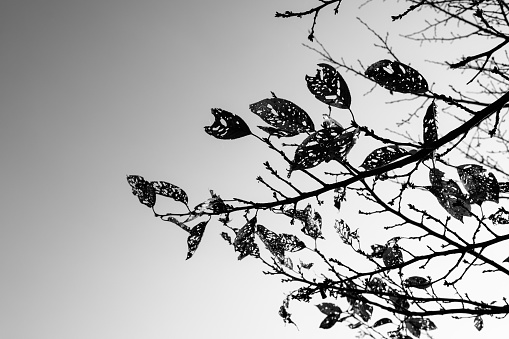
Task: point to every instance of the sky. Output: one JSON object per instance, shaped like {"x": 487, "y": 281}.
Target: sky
{"x": 94, "y": 90}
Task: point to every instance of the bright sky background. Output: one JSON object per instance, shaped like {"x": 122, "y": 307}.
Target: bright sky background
{"x": 93, "y": 90}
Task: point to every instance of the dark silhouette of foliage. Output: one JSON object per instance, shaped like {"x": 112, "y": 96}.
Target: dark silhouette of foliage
{"x": 459, "y": 168}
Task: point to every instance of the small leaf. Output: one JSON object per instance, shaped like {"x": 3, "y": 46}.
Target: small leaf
{"x": 226, "y": 237}
{"x": 227, "y": 125}
{"x": 312, "y": 223}
{"x": 142, "y": 189}
{"x": 378, "y": 251}
{"x": 283, "y": 115}
{"x": 354, "y": 326}
{"x": 329, "y": 87}
{"x": 244, "y": 240}
{"x": 329, "y": 321}
{"x": 382, "y": 321}
{"x": 363, "y": 309}
{"x": 344, "y": 232}
{"x": 413, "y": 326}
{"x": 329, "y": 308}
{"x": 480, "y": 186}
{"x": 195, "y": 237}
{"x": 291, "y": 243}
{"x": 504, "y": 187}
{"x": 283, "y": 313}
{"x": 417, "y": 282}
{"x": 501, "y": 216}
{"x": 213, "y": 205}
{"x": 376, "y": 284}
{"x": 397, "y": 77}
{"x": 324, "y": 145}
{"x": 392, "y": 256}
{"x": 429, "y": 125}
{"x": 382, "y": 156}
{"x": 339, "y": 196}
{"x": 478, "y": 323}
{"x": 169, "y": 190}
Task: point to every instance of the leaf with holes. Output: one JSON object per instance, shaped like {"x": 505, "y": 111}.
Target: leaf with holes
{"x": 283, "y": 115}
{"x": 451, "y": 198}
{"x": 339, "y": 196}
{"x": 501, "y": 216}
{"x": 417, "y": 282}
{"x": 376, "y": 284}
{"x": 271, "y": 240}
{"x": 382, "y": 321}
{"x": 291, "y": 243}
{"x": 378, "y": 251}
{"x": 329, "y": 87}
{"x": 244, "y": 240}
{"x": 429, "y": 125}
{"x": 363, "y": 309}
{"x": 169, "y": 190}
{"x": 312, "y": 223}
{"x": 382, "y": 156}
{"x": 413, "y": 326}
{"x": 397, "y": 77}
{"x": 504, "y": 187}
{"x": 142, "y": 189}
{"x": 392, "y": 256}
{"x": 213, "y": 205}
{"x": 324, "y": 145}
{"x": 226, "y": 237}
{"x": 478, "y": 323}
{"x": 227, "y": 125}
{"x": 329, "y": 321}
{"x": 481, "y": 186}
{"x": 329, "y": 308}
{"x": 195, "y": 237}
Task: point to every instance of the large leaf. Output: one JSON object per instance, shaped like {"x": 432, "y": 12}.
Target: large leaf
{"x": 449, "y": 195}
{"x": 382, "y": 156}
{"x": 142, "y": 189}
{"x": 329, "y": 87}
{"x": 392, "y": 256}
{"x": 324, "y": 145}
{"x": 169, "y": 190}
{"x": 481, "y": 186}
{"x": 195, "y": 237}
{"x": 397, "y": 77}
{"x": 429, "y": 124}
{"x": 286, "y": 118}
{"x": 227, "y": 125}
{"x": 244, "y": 240}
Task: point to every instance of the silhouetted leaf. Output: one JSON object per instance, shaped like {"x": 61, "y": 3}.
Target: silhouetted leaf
{"x": 213, "y": 205}
{"x": 417, "y": 282}
{"x": 354, "y": 326}
{"x": 344, "y": 232}
{"x": 324, "y": 145}
{"x": 283, "y": 313}
{"x": 227, "y": 125}
{"x": 378, "y": 251}
{"x": 312, "y": 223}
{"x": 142, "y": 189}
{"x": 449, "y": 195}
{"x": 429, "y": 125}
{"x": 382, "y": 321}
{"x": 382, "y": 156}
{"x": 376, "y": 284}
{"x": 413, "y": 326}
{"x": 363, "y": 309}
{"x": 178, "y": 223}
{"x": 287, "y": 118}
{"x": 195, "y": 237}
{"x": 339, "y": 196}
{"x": 329, "y": 87}
{"x": 271, "y": 240}
{"x": 397, "y": 77}
{"x": 478, "y": 323}
{"x": 244, "y": 240}
{"x": 226, "y": 237}
{"x": 481, "y": 186}
{"x": 169, "y": 190}
{"x": 392, "y": 256}
{"x": 329, "y": 308}
{"x": 501, "y": 216}
{"x": 504, "y": 187}
{"x": 291, "y": 243}
{"x": 329, "y": 321}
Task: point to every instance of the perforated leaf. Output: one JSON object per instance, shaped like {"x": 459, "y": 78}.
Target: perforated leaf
{"x": 478, "y": 323}
{"x": 481, "y": 186}
{"x": 195, "y": 237}
{"x": 429, "y": 124}
{"x": 244, "y": 240}
{"x": 287, "y": 118}
{"x": 142, "y": 189}
{"x": 378, "y": 251}
{"x": 382, "y": 156}
{"x": 227, "y": 125}
{"x": 501, "y": 216}
{"x": 397, "y": 77}
{"x": 449, "y": 195}
{"x": 363, "y": 309}
{"x": 291, "y": 243}
{"x": 344, "y": 232}
{"x": 392, "y": 256}
{"x": 339, "y": 196}
{"x": 329, "y": 321}
{"x": 382, "y": 321}
{"x": 504, "y": 187}
{"x": 271, "y": 240}
{"x": 324, "y": 145}
{"x": 312, "y": 223}
{"x": 376, "y": 284}
{"x": 329, "y": 308}
{"x": 213, "y": 205}
{"x": 417, "y": 282}
{"x": 413, "y": 327}
{"x": 169, "y": 190}
{"x": 329, "y": 87}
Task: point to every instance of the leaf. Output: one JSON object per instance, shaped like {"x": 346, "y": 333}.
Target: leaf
{"x": 142, "y": 189}
{"x": 478, "y": 323}
{"x": 504, "y": 187}
{"x": 244, "y": 240}
{"x": 226, "y": 238}
{"x": 339, "y": 196}
{"x": 329, "y": 308}
{"x": 363, "y": 309}
{"x": 324, "y": 145}
{"x": 480, "y": 186}
{"x": 169, "y": 190}
{"x": 291, "y": 243}
{"x": 271, "y": 240}
{"x": 392, "y": 256}
{"x": 376, "y": 284}
{"x": 449, "y": 195}
{"x": 329, "y": 321}
{"x": 378, "y": 251}
{"x": 287, "y": 118}
{"x": 227, "y": 125}
{"x": 283, "y": 313}
{"x": 399, "y": 301}
{"x": 312, "y": 223}
{"x": 413, "y": 327}
{"x": 501, "y": 216}
{"x": 195, "y": 237}
{"x": 329, "y": 87}
{"x": 344, "y": 232}
{"x": 382, "y": 156}
{"x": 429, "y": 124}
{"x": 382, "y": 321}
{"x": 397, "y": 77}
{"x": 178, "y": 223}
{"x": 213, "y": 205}
{"x": 417, "y": 282}
{"x": 354, "y": 326}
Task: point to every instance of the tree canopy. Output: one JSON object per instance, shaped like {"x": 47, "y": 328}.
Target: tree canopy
{"x": 438, "y": 196}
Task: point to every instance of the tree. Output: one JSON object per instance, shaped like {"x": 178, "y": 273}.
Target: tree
{"x": 419, "y": 266}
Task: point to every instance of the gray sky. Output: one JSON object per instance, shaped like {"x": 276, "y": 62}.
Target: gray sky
{"x": 94, "y": 90}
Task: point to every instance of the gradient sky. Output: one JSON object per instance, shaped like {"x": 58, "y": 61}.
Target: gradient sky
{"x": 93, "y": 90}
